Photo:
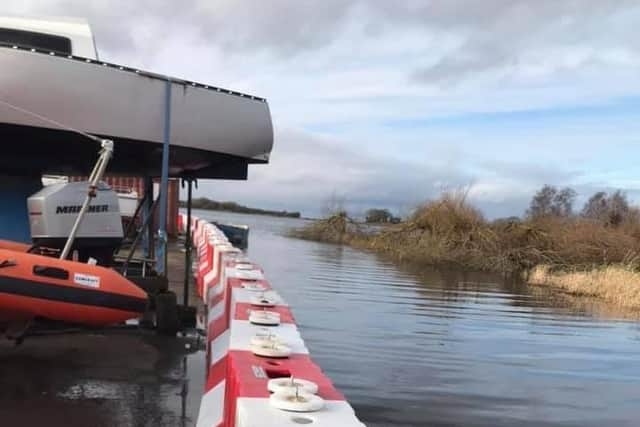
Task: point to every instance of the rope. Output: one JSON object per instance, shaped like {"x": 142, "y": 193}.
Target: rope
{"x": 48, "y": 120}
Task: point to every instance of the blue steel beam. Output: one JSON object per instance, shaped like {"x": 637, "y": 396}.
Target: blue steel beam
{"x": 147, "y": 237}
{"x": 161, "y": 250}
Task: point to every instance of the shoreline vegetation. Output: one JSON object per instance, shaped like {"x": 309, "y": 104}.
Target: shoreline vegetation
{"x": 594, "y": 253}
{"x": 213, "y": 205}
{"x": 616, "y": 284}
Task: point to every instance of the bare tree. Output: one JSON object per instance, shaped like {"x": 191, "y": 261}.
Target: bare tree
{"x": 334, "y": 205}
{"x": 563, "y": 202}
{"x": 542, "y": 202}
{"x": 619, "y": 207}
{"x": 549, "y": 201}
{"x": 596, "y": 207}
{"x": 610, "y": 209}
{"x": 380, "y": 216}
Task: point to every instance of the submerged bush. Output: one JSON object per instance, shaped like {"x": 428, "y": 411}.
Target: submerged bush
{"x": 449, "y": 230}
{"x": 336, "y": 229}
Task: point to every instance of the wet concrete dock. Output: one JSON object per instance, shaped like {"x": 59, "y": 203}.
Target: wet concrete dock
{"x": 119, "y": 377}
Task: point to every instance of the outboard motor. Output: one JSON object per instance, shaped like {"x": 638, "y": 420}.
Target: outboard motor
{"x": 54, "y": 209}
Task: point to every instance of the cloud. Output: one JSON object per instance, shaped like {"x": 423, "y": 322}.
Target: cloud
{"x": 389, "y": 102}
{"x": 307, "y": 172}
{"x": 486, "y": 29}
{"x": 282, "y": 26}
{"x": 518, "y": 38}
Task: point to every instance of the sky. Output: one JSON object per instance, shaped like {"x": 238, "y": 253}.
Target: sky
{"x": 388, "y": 103}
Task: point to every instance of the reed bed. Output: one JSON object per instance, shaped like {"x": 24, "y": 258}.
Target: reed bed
{"x": 616, "y": 284}
{"x": 451, "y": 231}
{"x": 573, "y": 253}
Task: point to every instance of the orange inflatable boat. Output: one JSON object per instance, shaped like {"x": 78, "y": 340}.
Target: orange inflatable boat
{"x": 14, "y": 246}
{"x": 34, "y": 286}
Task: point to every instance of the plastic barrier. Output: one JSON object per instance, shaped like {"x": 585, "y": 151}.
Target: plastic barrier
{"x": 180, "y": 222}
{"x": 246, "y": 320}
{"x": 205, "y": 265}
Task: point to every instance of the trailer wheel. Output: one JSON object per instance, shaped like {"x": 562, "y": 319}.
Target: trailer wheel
{"x": 187, "y": 316}
{"x": 167, "y": 320}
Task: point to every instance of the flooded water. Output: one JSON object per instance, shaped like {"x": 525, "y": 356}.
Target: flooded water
{"x": 122, "y": 377}
{"x": 407, "y": 347}
{"x": 429, "y": 348}
{"x": 103, "y": 379}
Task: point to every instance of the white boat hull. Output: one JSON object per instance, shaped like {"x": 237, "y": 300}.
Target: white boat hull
{"x": 128, "y": 106}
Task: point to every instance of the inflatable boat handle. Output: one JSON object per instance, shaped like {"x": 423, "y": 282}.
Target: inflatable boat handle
{"x": 8, "y": 263}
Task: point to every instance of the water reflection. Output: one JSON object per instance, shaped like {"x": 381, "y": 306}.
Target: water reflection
{"x": 415, "y": 347}
{"x": 126, "y": 378}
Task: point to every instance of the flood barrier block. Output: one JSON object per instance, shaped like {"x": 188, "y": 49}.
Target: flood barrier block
{"x": 236, "y": 392}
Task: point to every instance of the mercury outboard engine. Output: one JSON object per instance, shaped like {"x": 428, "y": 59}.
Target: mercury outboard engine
{"x": 54, "y": 209}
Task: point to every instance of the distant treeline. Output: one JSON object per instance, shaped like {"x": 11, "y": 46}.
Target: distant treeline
{"x": 213, "y": 205}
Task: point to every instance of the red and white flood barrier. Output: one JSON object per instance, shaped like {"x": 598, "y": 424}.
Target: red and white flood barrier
{"x": 259, "y": 370}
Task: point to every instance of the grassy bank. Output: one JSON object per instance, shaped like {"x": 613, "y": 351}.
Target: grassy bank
{"x": 449, "y": 231}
